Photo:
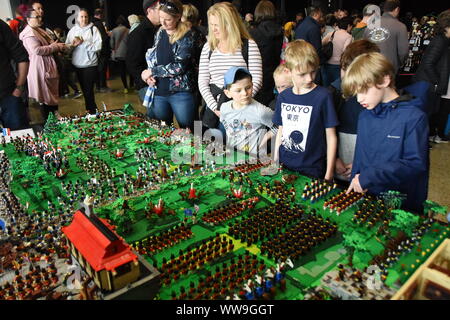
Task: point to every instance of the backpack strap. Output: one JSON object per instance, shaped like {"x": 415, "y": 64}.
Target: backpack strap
{"x": 244, "y": 51}
{"x": 332, "y": 36}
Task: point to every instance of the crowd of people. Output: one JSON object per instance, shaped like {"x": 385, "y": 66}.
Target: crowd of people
{"x": 256, "y": 79}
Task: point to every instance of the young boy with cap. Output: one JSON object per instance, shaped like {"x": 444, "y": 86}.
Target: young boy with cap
{"x": 392, "y": 137}
{"x": 244, "y": 119}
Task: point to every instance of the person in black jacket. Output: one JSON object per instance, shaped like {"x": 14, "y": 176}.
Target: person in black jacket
{"x": 268, "y": 35}
{"x": 139, "y": 41}
{"x": 105, "y": 53}
{"x": 13, "y": 113}
{"x": 435, "y": 69}
{"x": 191, "y": 18}
{"x": 309, "y": 30}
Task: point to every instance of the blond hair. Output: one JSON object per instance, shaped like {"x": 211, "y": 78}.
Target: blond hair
{"x": 190, "y": 14}
{"x": 230, "y": 25}
{"x": 182, "y": 27}
{"x": 302, "y": 56}
{"x": 280, "y": 71}
{"x": 366, "y": 71}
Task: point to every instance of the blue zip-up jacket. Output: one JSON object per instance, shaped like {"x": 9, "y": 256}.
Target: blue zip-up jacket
{"x": 392, "y": 149}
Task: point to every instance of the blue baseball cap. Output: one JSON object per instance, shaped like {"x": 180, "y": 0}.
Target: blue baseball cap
{"x": 230, "y": 75}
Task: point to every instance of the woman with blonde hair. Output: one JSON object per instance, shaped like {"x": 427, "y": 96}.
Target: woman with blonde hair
{"x": 170, "y": 73}
{"x": 229, "y": 45}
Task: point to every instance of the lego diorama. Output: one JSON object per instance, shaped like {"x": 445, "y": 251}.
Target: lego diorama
{"x": 99, "y": 207}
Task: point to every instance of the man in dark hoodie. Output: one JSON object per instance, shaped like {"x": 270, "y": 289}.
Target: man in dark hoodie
{"x": 139, "y": 41}
{"x": 392, "y": 137}
{"x": 268, "y": 35}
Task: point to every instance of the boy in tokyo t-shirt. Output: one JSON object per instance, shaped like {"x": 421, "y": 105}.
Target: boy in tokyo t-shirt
{"x": 306, "y": 140}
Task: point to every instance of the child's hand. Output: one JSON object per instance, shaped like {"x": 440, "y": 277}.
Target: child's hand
{"x": 217, "y": 112}
{"x": 356, "y": 186}
{"x": 348, "y": 170}
{"x": 340, "y": 166}
{"x": 329, "y": 177}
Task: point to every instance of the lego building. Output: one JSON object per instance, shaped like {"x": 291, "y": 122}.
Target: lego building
{"x": 101, "y": 252}
{"x": 432, "y": 280}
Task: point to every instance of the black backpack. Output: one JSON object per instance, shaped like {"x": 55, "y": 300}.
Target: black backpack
{"x": 22, "y": 25}
{"x": 327, "y": 49}
{"x": 209, "y": 118}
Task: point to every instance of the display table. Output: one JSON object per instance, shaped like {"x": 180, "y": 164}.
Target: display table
{"x": 211, "y": 229}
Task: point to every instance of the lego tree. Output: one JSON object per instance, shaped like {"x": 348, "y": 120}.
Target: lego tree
{"x": 404, "y": 221}
{"x": 51, "y": 125}
{"x": 431, "y": 206}
{"x": 434, "y": 210}
{"x": 356, "y": 242}
{"x": 393, "y": 199}
{"x": 123, "y": 223}
{"x": 128, "y": 109}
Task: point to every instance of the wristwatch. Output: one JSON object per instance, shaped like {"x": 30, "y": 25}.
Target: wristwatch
{"x": 21, "y": 87}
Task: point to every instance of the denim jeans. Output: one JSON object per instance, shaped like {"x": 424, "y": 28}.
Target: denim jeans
{"x": 181, "y": 104}
{"x": 13, "y": 113}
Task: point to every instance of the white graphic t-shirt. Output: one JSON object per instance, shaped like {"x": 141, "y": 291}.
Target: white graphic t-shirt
{"x": 296, "y": 127}
{"x": 245, "y": 127}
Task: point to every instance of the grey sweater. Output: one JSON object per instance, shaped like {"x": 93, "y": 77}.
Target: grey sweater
{"x": 392, "y": 38}
{"x": 119, "y": 40}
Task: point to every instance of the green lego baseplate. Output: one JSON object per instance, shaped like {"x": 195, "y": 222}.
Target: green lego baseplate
{"x": 233, "y": 208}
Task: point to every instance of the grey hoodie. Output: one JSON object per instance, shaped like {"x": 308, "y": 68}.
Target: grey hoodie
{"x": 86, "y": 54}
{"x": 392, "y": 38}
{"x": 118, "y": 42}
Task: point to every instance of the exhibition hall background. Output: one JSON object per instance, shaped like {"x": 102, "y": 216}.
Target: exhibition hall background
{"x": 56, "y": 9}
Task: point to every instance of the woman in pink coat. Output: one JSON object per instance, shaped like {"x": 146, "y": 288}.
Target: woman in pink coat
{"x": 43, "y": 78}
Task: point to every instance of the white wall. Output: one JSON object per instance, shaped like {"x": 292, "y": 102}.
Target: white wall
{"x": 5, "y": 10}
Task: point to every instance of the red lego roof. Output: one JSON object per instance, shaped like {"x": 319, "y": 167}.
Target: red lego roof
{"x": 102, "y": 249}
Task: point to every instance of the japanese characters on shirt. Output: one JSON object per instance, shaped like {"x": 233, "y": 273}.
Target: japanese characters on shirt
{"x": 296, "y": 122}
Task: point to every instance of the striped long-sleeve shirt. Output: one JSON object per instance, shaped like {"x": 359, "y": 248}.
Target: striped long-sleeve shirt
{"x": 211, "y": 71}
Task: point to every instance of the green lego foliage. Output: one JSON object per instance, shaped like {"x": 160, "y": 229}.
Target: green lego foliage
{"x": 357, "y": 239}
{"x": 137, "y": 220}
{"x": 393, "y": 199}
{"x": 128, "y": 109}
{"x": 434, "y": 207}
{"x": 404, "y": 221}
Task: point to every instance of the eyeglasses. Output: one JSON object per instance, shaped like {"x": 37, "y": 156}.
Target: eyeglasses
{"x": 36, "y": 17}
{"x": 170, "y": 6}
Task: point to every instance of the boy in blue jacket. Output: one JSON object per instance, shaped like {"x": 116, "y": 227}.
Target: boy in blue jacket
{"x": 392, "y": 143}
